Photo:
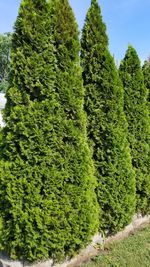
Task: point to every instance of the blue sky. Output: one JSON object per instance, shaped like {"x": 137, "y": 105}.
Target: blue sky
{"x": 128, "y": 22}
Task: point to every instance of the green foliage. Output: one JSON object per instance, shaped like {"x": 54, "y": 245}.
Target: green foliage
{"x": 5, "y": 45}
{"x": 48, "y": 203}
{"x": 136, "y": 109}
{"x": 107, "y": 126}
{"x": 146, "y": 73}
{"x": 0, "y": 141}
{"x": 71, "y": 95}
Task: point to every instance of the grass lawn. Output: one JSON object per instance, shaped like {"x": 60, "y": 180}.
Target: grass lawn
{"x": 133, "y": 251}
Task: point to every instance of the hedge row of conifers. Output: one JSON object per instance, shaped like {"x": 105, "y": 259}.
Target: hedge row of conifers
{"x": 75, "y": 150}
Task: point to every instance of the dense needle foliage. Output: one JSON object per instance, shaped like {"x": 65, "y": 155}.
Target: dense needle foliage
{"x": 136, "y": 109}
{"x": 5, "y": 46}
{"x": 48, "y": 204}
{"x": 107, "y": 126}
{"x": 53, "y": 195}
{"x": 146, "y": 73}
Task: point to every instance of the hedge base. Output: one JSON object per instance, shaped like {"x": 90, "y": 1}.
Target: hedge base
{"x": 85, "y": 254}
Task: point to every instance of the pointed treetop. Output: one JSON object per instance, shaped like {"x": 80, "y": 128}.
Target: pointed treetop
{"x": 94, "y": 2}
{"x": 94, "y": 31}
{"x": 131, "y": 50}
{"x": 131, "y": 56}
{"x": 65, "y": 27}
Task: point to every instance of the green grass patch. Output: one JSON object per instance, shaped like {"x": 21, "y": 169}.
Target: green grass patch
{"x": 133, "y": 251}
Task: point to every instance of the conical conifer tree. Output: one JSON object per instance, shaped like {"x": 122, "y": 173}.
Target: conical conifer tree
{"x": 27, "y": 144}
{"x": 107, "y": 126}
{"x": 47, "y": 188}
{"x": 81, "y": 183}
{"x": 136, "y": 109}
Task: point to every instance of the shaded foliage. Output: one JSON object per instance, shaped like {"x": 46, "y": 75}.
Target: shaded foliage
{"x": 5, "y": 46}
{"x": 146, "y": 73}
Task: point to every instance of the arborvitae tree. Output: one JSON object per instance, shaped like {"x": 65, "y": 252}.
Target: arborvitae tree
{"x": 146, "y": 73}
{"x": 5, "y": 46}
{"x": 136, "y": 109}
{"x": 107, "y": 126}
{"x": 47, "y": 188}
{"x": 80, "y": 186}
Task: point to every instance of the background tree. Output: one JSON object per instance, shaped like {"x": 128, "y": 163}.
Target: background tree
{"x": 146, "y": 73}
{"x": 107, "y": 126}
{"x": 5, "y": 46}
{"x": 136, "y": 109}
{"x": 48, "y": 207}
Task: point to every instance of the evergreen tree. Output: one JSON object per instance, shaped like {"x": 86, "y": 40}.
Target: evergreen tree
{"x": 136, "y": 109}
{"x": 47, "y": 188}
{"x": 146, "y": 73}
{"x": 5, "y": 46}
{"x": 69, "y": 84}
{"x": 107, "y": 126}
